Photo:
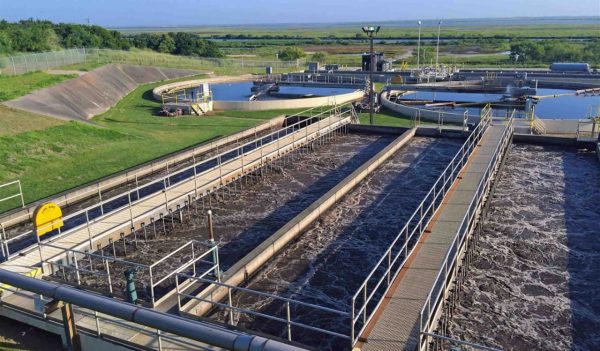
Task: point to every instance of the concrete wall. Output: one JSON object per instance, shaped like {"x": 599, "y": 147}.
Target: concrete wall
{"x": 252, "y": 262}
{"x": 424, "y": 114}
{"x": 86, "y": 191}
{"x": 158, "y": 91}
{"x": 284, "y": 104}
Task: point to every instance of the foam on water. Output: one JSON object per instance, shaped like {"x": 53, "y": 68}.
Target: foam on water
{"x": 535, "y": 281}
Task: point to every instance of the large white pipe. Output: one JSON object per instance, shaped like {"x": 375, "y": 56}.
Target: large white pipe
{"x": 202, "y": 332}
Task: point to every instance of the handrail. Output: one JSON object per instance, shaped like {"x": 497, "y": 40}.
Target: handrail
{"x": 202, "y": 332}
{"x": 166, "y": 180}
{"x": 461, "y": 342}
{"x": 424, "y": 213}
{"x": 464, "y": 227}
{"x": 230, "y": 306}
{"x": 19, "y": 194}
{"x": 211, "y": 250}
{"x": 109, "y": 184}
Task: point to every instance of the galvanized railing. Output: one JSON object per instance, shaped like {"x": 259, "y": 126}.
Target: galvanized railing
{"x": 370, "y": 293}
{"x": 96, "y": 212}
{"x": 445, "y": 277}
{"x": 286, "y": 304}
{"x": 101, "y": 267}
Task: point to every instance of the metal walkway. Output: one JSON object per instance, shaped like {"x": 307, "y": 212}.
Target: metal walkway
{"x": 396, "y": 326}
{"x": 227, "y": 168}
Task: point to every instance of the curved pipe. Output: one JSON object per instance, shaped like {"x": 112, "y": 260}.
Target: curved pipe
{"x": 212, "y": 335}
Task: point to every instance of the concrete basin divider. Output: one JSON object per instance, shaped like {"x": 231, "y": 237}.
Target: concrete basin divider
{"x": 72, "y": 196}
{"x": 254, "y": 260}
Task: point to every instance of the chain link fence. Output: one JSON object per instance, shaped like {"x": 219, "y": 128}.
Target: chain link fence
{"x": 24, "y": 63}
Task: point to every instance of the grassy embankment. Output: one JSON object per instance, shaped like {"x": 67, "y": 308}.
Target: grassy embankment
{"x": 151, "y": 58}
{"x": 70, "y": 154}
{"x": 13, "y": 121}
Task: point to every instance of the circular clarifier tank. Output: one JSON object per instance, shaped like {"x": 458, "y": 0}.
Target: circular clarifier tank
{"x": 246, "y": 95}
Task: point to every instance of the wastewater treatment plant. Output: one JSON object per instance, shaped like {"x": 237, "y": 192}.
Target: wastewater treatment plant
{"x": 385, "y": 195}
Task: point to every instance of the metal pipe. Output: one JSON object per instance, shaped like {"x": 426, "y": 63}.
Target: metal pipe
{"x": 202, "y": 332}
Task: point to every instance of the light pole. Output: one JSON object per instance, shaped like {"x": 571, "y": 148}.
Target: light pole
{"x": 437, "y": 53}
{"x": 419, "y": 49}
{"x": 371, "y": 32}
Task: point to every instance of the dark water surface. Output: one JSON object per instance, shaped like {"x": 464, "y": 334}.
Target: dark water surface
{"x": 328, "y": 262}
{"x": 535, "y": 282}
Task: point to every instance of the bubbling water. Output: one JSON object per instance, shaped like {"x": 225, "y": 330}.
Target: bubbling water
{"x": 535, "y": 280}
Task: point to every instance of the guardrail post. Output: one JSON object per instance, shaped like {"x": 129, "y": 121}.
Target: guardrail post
{"x": 230, "y": 305}
{"x": 151, "y": 286}
{"x": 77, "y": 269}
{"x": 98, "y": 333}
{"x": 289, "y": 318}
{"x": 4, "y": 242}
{"x": 87, "y": 220}
{"x": 365, "y": 302}
{"x": 159, "y": 339}
{"x": 106, "y": 266}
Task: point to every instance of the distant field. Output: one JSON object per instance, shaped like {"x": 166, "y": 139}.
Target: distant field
{"x": 448, "y": 32}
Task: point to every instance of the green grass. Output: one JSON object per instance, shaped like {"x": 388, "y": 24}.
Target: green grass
{"x": 65, "y": 156}
{"x": 388, "y": 118}
{"x": 16, "y": 121}
{"x": 12, "y": 87}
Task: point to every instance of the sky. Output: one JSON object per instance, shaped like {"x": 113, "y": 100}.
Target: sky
{"x": 158, "y": 13}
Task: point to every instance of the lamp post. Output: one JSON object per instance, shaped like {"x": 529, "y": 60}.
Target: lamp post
{"x": 419, "y": 48}
{"x": 437, "y": 53}
{"x": 371, "y": 32}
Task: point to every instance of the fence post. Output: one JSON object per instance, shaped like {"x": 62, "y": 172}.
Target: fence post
{"x": 289, "y": 318}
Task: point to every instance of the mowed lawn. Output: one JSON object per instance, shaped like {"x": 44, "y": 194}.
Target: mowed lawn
{"x": 64, "y": 156}
{"x": 14, "y": 86}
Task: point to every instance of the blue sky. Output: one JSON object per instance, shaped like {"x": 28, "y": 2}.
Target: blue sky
{"x": 205, "y": 12}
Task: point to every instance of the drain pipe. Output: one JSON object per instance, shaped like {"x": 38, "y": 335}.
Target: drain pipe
{"x": 211, "y": 335}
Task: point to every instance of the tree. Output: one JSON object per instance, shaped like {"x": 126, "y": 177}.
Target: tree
{"x": 319, "y": 56}
{"x": 291, "y": 53}
{"x": 5, "y": 43}
{"x": 167, "y": 44}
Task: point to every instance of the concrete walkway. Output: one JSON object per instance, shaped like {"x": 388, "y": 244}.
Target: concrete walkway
{"x": 112, "y": 225}
{"x": 396, "y": 324}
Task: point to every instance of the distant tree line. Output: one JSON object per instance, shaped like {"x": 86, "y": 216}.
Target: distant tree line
{"x": 547, "y": 51}
{"x": 39, "y": 35}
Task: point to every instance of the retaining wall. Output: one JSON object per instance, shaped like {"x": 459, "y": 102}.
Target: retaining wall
{"x": 252, "y": 262}
{"x": 95, "y": 92}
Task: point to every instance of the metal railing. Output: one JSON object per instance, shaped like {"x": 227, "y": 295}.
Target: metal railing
{"x": 118, "y": 322}
{"x": 370, "y": 293}
{"x": 98, "y": 270}
{"x": 92, "y": 214}
{"x": 15, "y": 195}
{"x": 461, "y": 344}
{"x": 448, "y": 270}
{"x": 283, "y": 304}
{"x": 589, "y": 130}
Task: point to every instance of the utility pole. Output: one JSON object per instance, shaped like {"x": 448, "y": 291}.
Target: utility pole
{"x": 437, "y": 54}
{"x": 419, "y": 49}
{"x": 371, "y": 32}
